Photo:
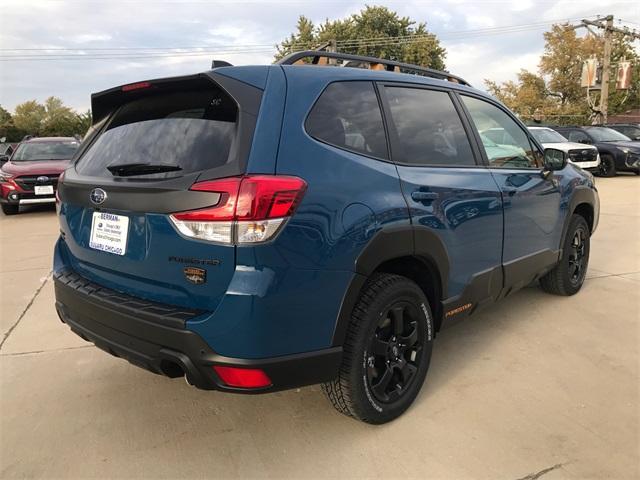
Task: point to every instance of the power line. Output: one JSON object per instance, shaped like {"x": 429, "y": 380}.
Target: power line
{"x": 116, "y": 50}
{"x": 459, "y": 32}
{"x": 147, "y": 53}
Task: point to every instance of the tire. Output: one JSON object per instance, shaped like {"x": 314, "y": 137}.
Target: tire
{"x": 568, "y": 275}
{"x": 386, "y": 352}
{"x": 607, "y": 166}
{"x": 10, "y": 209}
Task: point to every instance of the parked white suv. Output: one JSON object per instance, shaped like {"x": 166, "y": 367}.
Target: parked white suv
{"x": 580, "y": 154}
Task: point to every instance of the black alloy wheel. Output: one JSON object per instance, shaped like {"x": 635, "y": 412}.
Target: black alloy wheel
{"x": 386, "y": 351}
{"x": 567, "y": 277}
{"x": 393, "y": 352}
{"x": 607, "y": 166}
{"x": 577, "y": 257}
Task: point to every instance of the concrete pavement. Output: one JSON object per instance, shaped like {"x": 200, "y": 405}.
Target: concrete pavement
{"x": 535, "y": 385}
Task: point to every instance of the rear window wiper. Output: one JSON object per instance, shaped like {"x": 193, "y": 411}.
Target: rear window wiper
{"x": 130, "y": 169}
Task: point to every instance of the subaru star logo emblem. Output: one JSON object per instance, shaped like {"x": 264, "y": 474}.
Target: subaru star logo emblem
{"x": 42, "y": 179}
{"x": 98, "y": 196}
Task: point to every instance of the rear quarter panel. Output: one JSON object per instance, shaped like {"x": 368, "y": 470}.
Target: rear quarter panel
{"x": 285, "y": 296}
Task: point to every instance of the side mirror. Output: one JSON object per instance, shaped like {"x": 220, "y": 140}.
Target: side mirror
{"x": 4, "y": 158}
{"x": 553, "y": 160}
{"x": 585, "y": 141}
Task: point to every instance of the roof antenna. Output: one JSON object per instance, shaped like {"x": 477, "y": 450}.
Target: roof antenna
{"x": 220, "y": 63}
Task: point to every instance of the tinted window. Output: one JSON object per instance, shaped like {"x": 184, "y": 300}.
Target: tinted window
{"x": 347, "y": 115}
{"x": 578, "y": 136}
{"x": 54, "y": 150}
{"x": 505, "y": 142}
{"x": 429, "y": 129}
{"x": 604, "y": 134}
{"x": 193, "y": 130}
{"x": 631, "y": 132}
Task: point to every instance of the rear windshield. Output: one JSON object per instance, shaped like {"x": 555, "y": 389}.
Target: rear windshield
{"x": 192, "y": 130}
{"x": 54, "y": 150}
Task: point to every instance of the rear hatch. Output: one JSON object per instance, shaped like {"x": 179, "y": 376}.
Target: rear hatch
{"x": 149, "y": 144}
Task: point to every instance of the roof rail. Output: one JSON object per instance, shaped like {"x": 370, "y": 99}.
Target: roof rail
{"x": 388, "y": 65}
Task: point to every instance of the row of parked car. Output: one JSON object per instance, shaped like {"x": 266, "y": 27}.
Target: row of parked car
{"x": 604, "y": 150}
{"x": 600, "y": 149}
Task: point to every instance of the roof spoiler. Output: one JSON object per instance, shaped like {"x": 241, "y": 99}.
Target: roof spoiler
{"x": 106, "y": 101}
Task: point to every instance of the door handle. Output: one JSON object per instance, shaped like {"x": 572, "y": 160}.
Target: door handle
{"x": 424, "y": 196}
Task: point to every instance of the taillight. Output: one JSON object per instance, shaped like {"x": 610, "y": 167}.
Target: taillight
{"x": 250, "y": 209}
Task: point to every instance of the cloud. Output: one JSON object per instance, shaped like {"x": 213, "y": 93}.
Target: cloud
{"x": 480, "y": 21}
{"x": 225, "y": 30}
{"x": 86, "y": 38}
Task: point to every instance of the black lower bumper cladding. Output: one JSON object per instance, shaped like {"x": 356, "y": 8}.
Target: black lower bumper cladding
{"x": 153, "y": 336}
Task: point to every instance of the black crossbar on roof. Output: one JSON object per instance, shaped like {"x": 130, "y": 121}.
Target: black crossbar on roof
{"x": 389, "y": 65}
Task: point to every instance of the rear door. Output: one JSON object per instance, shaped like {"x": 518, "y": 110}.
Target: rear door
{"x": 533, "y": 209}
{"x": 451, "y": 196}
{"x": 151, "y": 142}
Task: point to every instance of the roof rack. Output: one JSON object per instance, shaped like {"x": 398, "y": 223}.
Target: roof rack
{"x": 374, "y": 64}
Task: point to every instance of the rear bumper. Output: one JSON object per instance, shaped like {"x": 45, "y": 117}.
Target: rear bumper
{"x": 152, "y": 336}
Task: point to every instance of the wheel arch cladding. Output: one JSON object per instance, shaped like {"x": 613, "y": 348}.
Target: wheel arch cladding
{"x": 585, "y": 203}
{"x": 585, "y": 210}
{"x": 392, "y": 251}
{"x": 425, "y": 274}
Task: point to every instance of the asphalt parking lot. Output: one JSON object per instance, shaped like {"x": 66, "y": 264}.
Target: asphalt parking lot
{"x": 535, "y": 385}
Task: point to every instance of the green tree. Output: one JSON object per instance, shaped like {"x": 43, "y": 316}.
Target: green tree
{"x": 622, "y": 100}
{"x": 59, "y": 120}
{"x": 556, "y": 92}
{"x": 29, "y": 117}
{"x": 374, "y": 31}
{"x": 7, "y": 129}
{"x": 562, "y": 62}
{"x": 83, "y": 122}
{"x": 5, "y": 116}
{"x": 52, "y": 119}
{"x": 525, "y": 96}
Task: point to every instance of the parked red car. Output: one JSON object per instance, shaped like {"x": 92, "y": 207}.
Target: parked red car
{"x": 31, "y": 174}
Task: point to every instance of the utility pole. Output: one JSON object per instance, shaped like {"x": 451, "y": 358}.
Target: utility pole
{"x": 330, "y": 46}
{"x": 605, "y": 24}
{"x": 606, "y": 65}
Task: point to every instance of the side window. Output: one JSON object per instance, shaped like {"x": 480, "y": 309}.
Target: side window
{"x": 578, "y": 136}
{"x": 505, "y": 142}
{"x": 429, "y": 128}
{"x": 347, "y": 115}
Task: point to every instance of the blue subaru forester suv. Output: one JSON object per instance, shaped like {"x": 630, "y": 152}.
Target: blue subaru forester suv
{"x": 266, "y": 227}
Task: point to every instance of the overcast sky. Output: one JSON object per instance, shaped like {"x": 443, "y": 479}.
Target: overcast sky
{"x": 253, "y": 27}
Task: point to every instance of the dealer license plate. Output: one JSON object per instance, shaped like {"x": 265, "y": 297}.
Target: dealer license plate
{"x": 109, "y": 232}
